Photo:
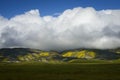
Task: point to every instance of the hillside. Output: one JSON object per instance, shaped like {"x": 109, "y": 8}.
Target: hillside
{"x": 27, "y": 54}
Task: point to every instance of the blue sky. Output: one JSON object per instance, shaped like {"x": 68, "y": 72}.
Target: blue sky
{"x": 81, "y": 27}
{"x": 10, "y": 8}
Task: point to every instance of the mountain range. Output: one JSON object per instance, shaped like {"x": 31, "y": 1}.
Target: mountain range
{"x": 27, "y": 54}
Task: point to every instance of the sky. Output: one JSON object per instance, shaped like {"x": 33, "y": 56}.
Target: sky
{"x": 60, "y": 24}
{"x": 10, "y": 8}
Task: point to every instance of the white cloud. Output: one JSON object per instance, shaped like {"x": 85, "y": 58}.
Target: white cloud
{"x": 74, "y": 28}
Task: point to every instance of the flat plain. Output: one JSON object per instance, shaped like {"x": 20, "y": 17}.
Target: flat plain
{"x": 59, "y": 71}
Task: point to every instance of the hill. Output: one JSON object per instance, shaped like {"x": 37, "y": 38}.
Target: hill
{"x": 27, "y": 54}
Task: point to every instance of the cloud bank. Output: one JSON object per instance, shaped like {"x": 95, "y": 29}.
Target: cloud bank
{"x": 74, "y": 28}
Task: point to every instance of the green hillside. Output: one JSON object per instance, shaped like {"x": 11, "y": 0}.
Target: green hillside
{"x": 80, "y": 54}
{"x": 92, "y": 54}
{"x": 27, "y": 54}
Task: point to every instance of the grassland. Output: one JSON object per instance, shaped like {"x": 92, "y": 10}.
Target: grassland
{"x": 60, "y": 71}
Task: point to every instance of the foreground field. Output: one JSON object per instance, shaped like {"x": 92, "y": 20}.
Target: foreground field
{"x": 64, "y": 71}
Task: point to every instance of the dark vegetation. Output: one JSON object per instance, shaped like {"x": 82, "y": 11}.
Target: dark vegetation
{"x": 63, "y": 71}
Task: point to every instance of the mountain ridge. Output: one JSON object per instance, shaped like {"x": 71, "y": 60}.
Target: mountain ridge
{"x": 28, "y": 54}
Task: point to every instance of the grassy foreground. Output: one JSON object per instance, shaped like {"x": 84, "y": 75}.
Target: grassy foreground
{"x": 63, "y": 71}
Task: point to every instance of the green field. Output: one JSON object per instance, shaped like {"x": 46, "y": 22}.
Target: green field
{"x": 63, "y": 71}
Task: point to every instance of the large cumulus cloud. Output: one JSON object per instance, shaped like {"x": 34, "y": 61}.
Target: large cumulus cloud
{"x": 74, "y": 28}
